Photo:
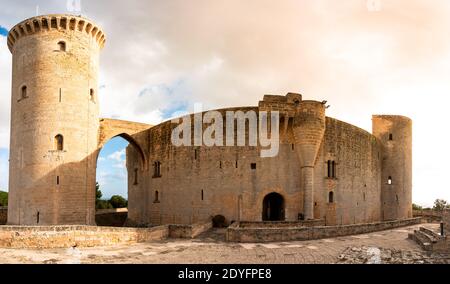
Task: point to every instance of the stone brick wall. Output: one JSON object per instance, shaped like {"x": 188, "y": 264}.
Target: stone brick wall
{"x": 356, "y": 185}
{"x": 111, "y": 217}
{"x": 188, "y": 231}
{"x": 428, "y": 215}
{"x": 90, "y": 236}
{"x": 309, "y": 223}
{"x": 238, "y": 234}
{"x": 224, "y": 175}
{"x": 82, "y": 236}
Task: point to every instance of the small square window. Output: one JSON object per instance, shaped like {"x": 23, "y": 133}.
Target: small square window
{"x": 253, "y": 166}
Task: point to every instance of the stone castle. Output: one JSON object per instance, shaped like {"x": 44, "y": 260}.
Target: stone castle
{"x": 326, "y": 169}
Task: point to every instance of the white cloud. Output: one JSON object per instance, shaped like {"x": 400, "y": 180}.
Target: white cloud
{"x": 120, "y": 165}
{"x": 118, "y": 156}
{"x": 107, "y": 177}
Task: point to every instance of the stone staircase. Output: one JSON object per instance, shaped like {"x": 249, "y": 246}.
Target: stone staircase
{"x": 429, "y": 240}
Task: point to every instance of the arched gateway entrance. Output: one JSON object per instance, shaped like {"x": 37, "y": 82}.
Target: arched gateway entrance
{"x": 273, "y": 207}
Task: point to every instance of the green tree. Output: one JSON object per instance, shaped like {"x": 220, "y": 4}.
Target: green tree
{"x": 416, "y": 207}
{"x": 440, "y": 205}
{"x": 98, "y": 192}
{"x": 3, "y": 198}
{"x": 99, "y": 203}
{"x": 103, "y": 204}
{"x": 118, "y": 201}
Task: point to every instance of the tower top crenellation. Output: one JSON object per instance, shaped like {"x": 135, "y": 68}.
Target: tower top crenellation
{"x": 50, "y": 22}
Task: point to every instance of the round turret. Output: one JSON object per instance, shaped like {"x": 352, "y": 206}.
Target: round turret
{"x": 309, "y": 129}
{"x": 395, "y": 134}
{"x": 54, "y": 120}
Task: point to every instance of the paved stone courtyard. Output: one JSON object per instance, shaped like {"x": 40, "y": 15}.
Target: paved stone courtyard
{"x": 210, "y": 248}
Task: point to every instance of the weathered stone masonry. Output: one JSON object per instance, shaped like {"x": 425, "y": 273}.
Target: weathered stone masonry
{"x": 352, "y": 194}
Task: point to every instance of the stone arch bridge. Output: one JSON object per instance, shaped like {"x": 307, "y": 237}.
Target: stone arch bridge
{"x": 134, "y": 133}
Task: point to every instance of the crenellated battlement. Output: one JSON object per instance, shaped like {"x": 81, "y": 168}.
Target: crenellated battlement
{"x": 55, "y": 22}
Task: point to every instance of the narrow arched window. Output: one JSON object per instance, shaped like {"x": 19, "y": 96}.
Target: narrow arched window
{"x": 157, "y": 169}
{"x": 62, "y": 46}
{"x": 23, "y": 92}
{"x": 156, "y": 197}
{"x": 390, "y": 180}
{"x": 136, "y": 177}
{"x": 391, "y": 137}
{"x": 329, "y": 168}
{"x": 331, "y": 197}
{"x": 333, "y": 169}
{"x": 59, "y": 142}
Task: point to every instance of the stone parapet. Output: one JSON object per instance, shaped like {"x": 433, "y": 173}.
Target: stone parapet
{"x": 235, "y": 233}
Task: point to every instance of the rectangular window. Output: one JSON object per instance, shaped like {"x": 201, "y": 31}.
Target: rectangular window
{"x": 57, "y": 180}
{"x": 23, "y": 93}
{"x": 331, "y": 169}
{"x": 331, "y": 197}
{"x": 253, "y": 166}
{"x": 157, "y": 169}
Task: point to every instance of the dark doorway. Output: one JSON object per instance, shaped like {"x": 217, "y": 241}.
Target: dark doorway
{"x": 273, "y": 207}
{"x": 219, "y": 221}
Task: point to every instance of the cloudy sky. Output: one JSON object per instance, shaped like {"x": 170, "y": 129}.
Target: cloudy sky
{"x": 364, "y": 57}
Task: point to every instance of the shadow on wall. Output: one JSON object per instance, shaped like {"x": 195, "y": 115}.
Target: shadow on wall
{"x": 65, "y": 195}
{"x": 111, "y": 219}
{"x": 3, "y": 215}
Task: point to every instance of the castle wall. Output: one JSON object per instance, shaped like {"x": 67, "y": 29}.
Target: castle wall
{"x": 186, "y": 171}
{"x": 222, "y": 173}
{"x": 356, "y": 187}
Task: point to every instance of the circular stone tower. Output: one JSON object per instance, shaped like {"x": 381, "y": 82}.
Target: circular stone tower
{"x": 395, "y": 135}
{"x": 309, "y": 130}
{"x": 54, "y": 120}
